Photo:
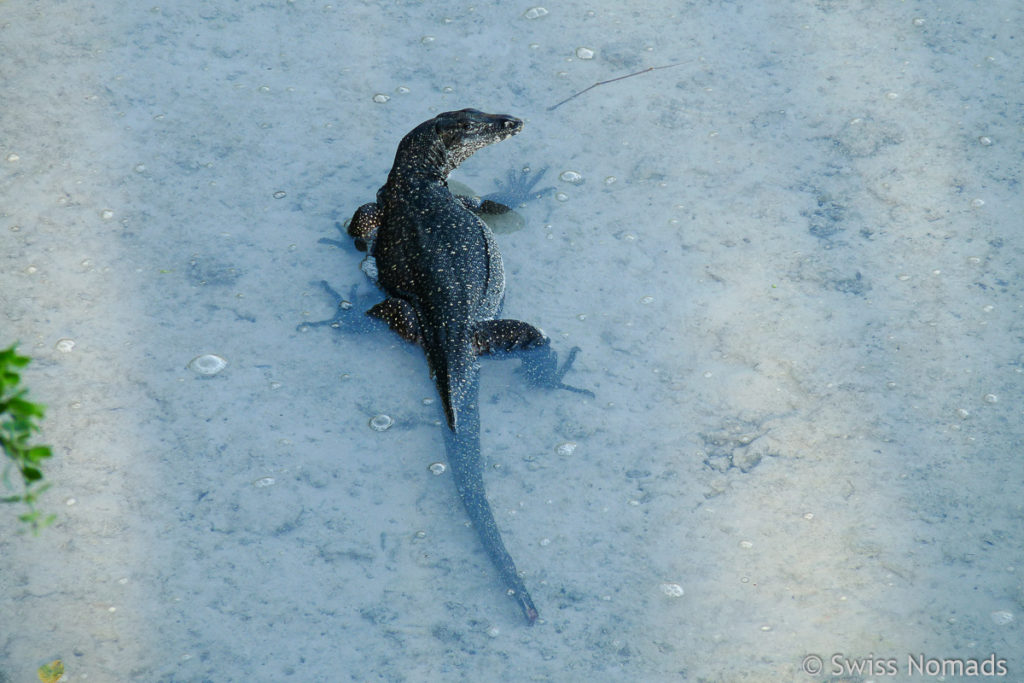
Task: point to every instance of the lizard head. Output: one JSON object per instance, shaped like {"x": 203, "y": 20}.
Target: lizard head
{"x": 453, "y": 136}
{"x": 465, "y": 131}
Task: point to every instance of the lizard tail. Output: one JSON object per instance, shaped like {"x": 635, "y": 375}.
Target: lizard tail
{"x": 453, "y": 367}
{"x": 449, "y": 370}
{"x": 463, "y": 449}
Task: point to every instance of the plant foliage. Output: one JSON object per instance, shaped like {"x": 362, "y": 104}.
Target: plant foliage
{"x": 19, "y": 422}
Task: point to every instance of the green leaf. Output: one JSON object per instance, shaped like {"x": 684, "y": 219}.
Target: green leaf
{"x": 37, "y": 453}
{"x": 22, "y": 408}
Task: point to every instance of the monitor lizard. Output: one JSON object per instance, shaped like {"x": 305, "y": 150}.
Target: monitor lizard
{"x": 441, "y": 270}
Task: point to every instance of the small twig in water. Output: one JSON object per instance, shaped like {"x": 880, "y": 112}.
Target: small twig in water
{"x": 618, "y": 78}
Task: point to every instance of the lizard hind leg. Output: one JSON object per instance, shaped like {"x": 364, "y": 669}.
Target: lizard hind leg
{"x": 515, "y": 338}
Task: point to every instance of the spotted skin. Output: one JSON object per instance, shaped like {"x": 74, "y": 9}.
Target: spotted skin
{"x": 441, "y": 270}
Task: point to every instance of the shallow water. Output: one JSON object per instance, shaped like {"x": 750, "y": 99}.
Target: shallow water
{"x": 793, "y": 266}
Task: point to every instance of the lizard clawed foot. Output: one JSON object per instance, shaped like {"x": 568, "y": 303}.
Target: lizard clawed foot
{"x": 341, "y": 244}
{"x": 543, "y": 371}
{"x": 342, "y": 315}
{"x": 516, "y": 190}
{"x": 564, "y": 369}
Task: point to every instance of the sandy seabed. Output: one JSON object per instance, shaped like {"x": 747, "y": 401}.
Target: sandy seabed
{"x": 793, "y": 263}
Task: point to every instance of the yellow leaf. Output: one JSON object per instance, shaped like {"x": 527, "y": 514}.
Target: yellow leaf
{"x": 52, "y": 672}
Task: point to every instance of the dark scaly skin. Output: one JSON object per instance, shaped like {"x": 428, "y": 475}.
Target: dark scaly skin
{"x": 442, "y": 272}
